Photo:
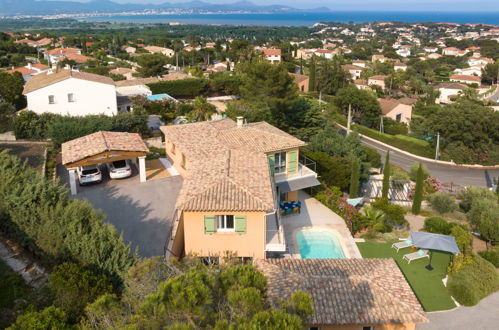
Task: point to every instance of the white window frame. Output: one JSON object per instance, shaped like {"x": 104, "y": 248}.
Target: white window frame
{"x": 221, "y": 223}
{"x": 53, "y": 99}
{"x": 280, "y": 164}
{"x": 71, "y": 98}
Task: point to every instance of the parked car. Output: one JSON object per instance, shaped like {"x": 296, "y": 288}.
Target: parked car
{"x": 119, "y": 169}
{"x": 89, "y": 174}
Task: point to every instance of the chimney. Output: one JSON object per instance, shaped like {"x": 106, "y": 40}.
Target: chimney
{"x": 240, "y": 121}
{"x": 29, "y": 65}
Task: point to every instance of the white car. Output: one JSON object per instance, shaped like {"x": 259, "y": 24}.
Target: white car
{"x": 119, "y": 169}
{"x": 89, "y": 174}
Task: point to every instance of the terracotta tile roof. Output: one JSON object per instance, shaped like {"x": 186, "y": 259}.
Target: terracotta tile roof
{"x": 348, "y": 67}
{"x": 40, "y": 66}
{"x": 78, "y": 58}
{"x": 227, "y": 168}
{"x": 46, "y": 78}
{"x": 44, "y": 42}
{"x": 466, "y": 77}
{"x": 176, "y": 76}
{"x": 270, "y": 52}
{"x": 345, "y": 291}
{"x": 388, "y": 105}
{"x": 22, "y": 70}
{"x": 62, "y": 51}
{"x": 378, "y": 77}
{"x": 451, "y": 85}
{"x": 299, "y": 78}
{"x": 96, "y": 143}
{"x": 136, "y": 82}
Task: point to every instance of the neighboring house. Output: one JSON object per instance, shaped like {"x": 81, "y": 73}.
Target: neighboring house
{"x": 430, "y": 49}
{"x": 379, "y": 58}
{"x": 399, "y": 110}
{"x": 44, "y": 42}
{"x": 326, "y": 53}
{"x": 479, "y": 61}
{"x": 471, "y": 71}
{"x": 29, "y": 70}
{"x": 450, "y": 51}
{"x": 126, "y": 72}
{"x": 28, "y": 42}
{"x": 353, "y": 70}
{"x": 160, "y": 50}
{"x": 400, "y": 66}
{"x": 54, "y": 55}
{"x": 359, "y": 63}
{"x": 465, "y": 79}
{"x": 377, "y": 80}
{"x": 234, "y": 176}
{"x": 361, "y": 84}
{"x": 130, "y": 49}
{"x": 403, "y": 52}
{"x": 78, "y": 58}
{"x": 449, "y": 91}
{"x": 272, "y": 55}
{"x": 347, "y": 294}
{"x": 301, "y": 81}
{"x": 73, "y": 93}
{"x": 134, "y": 87}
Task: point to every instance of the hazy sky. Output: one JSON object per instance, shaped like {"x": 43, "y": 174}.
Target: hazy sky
{"x": 378, "y": 5}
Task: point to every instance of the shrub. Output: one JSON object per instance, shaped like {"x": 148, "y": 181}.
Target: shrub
{"x": 49, "y": 318}
{"x": 394, "y": 214}
{"x": 470, "y": 194}
{"x": 190, "y": 87}
{"x": 333, "y": 170}
{"x": 437, "y": 225}
{"x": 442, "y": 202}
{"x": 484, "y": 217}
{"x": 413, "y": 171}
{"x": 473, "y": 281}
{"x": 373, "y": 157}
{"x": 464, "y": 239}
{"x": 30, "y": 126}
{"x": 225, "y": 82}
{"x": 74, "y": 286}
{"x": 491, "y": 256}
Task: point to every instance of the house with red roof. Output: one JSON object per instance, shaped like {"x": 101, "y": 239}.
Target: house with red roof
{"x": 272, "y": 55}
{"x": 29, "y": 70}
{"x": 466, "y": 79}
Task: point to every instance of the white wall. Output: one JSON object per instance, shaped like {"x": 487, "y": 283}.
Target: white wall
{"x": 91, "y": 98}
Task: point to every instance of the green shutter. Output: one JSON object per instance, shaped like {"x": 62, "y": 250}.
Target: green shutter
{"x": 240, "y": 224}
{"x": 209, "y": 224}
{"x": 271, "y": 164}
{"x": 293, "y": 161}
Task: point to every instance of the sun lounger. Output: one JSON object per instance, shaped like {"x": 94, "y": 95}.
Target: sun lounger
{"x": 416, "y": 255}
{"x": 402, "y": 245}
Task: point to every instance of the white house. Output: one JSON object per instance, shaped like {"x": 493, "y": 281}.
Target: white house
{"x": 448, "y": 91}
{"x": 29, "y": 70}
{"x": 400, "y": 66}
{"x": 160, "y": 50}
{"x": 68, "y": 92}
{"x": 354, "y": 70}
{"x": 53, "y": 55}
{"x": 466, "y": 79}
{"x": 272, "y": 55}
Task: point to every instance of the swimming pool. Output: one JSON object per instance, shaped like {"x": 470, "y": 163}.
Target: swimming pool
{"x": 319, "y": 244}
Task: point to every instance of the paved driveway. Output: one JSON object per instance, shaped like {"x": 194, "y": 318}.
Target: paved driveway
{"x": 142, "y": 212}
{"x": 484, "y": 316}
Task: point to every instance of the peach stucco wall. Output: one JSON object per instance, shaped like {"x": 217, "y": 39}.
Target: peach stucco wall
{"x": 250, "y": 244}
{"x": 404, "y": 109}
{"x": 176, "y": 157}
{"x": 400, "y": 326}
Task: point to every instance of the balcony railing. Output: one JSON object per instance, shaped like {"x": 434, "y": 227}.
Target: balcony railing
{"x": 306, "y": 167}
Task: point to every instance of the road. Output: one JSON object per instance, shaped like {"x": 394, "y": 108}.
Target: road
{"x": 446, "y": 174}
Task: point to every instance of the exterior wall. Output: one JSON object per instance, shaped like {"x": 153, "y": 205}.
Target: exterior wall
{"x": 405, "y": 110}
{"x": 445, "y": 94}
{"x": 293, "y": 195}
{"x": 288, "y": 164}
{"x": 249, "y": 244}
{"x": 402, "y": 326}
{"x": 303, "y": 86}
{"x": 176, "y": 158}
{"x": 380, "y": 83}
{"x": 91, "y": 98}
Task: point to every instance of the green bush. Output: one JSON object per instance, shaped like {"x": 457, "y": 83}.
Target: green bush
{"x": 394, "y": 214}
{"x": 473, "y": 281}
{"x": 442, "y": 202}
{"x": 470, "y": 194}
{"x": 413, "y": 171}
{"x": 332, "y": 170}
{"x": 49, "y": 318}
{"x": 30, "y": 126}
{"x": 225, "y": 82}
{"x": 491, "y": 256}
{"x": 182, "y": 88}
{"x": 437, "y": 225}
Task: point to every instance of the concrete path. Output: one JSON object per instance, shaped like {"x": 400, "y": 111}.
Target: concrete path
{"x": 315, "y": 214}
{"x": 484, "y": 316}
{"x": 416, "y": 222}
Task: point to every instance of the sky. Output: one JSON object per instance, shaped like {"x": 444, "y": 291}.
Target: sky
{"x": 364, "y": 5}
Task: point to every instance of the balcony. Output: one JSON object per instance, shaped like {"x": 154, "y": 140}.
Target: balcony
{"x": 305, "y": 177}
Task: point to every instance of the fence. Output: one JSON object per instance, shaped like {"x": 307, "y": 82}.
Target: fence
{"x": 399, "y": 191}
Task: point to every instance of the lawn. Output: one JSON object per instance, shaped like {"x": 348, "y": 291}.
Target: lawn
{"x": 427, "y": 285}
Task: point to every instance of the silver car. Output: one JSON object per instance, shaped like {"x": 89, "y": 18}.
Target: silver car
{"x": 89, "y": 174}
{"x": 119, "y": 169}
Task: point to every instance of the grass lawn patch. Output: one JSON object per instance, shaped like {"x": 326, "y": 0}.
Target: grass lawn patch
{"x": 427, "y": 285}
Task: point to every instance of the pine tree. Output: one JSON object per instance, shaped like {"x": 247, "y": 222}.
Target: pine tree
{"x": 386, "y": 177}
{"x": 418, "y": 194}
{"x": 311, "y": 75}
{"x": 354, "y": 179}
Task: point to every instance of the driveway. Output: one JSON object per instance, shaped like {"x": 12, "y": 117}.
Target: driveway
{"x": 142, "y": 212}
{"x": 484, "y": 316}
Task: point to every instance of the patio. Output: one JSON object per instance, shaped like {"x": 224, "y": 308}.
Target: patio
{"x": 314, "y": 214}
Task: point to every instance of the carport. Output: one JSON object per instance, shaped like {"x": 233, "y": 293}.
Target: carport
{"x": 103, "y": 147}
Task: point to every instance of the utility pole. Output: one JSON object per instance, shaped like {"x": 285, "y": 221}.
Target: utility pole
{"x": 349, "y": 118}
{"x": 176, "y": 55}
{"x": 437, "y": 149}
{"x": 320, "y": 97}
{"x": 381, "y": 125}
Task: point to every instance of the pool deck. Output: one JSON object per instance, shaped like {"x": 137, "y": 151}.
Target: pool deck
{"x": 315, "y": 214}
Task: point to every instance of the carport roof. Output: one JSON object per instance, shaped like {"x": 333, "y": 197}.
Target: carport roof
{"x": 99, "y": 142}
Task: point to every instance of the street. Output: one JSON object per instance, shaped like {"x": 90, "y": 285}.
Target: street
{"x": 446, "y": 174}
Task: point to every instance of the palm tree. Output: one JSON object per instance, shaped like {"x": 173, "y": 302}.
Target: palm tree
{"x": 202, "y": 109}
{"x": 374, "y": 215}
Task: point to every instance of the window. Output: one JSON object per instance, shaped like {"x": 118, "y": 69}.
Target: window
{"x": 225, "y": 223}
{"x": 51, "y": 99}
{"x": 398, "y": 117}
{"x": 71, "y": 97}
{"x": 367, "y": 328}
{"x": 314, "y": 328}
{"x": 280, "y": 162}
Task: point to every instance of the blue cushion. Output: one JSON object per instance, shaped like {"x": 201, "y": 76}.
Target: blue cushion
{"x": 408, "y": 241}
{"x": 420, "y": 252}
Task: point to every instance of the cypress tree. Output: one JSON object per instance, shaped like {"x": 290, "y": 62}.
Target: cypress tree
{"x": 386, "y": 177}
{"x": 354, "y": 179}
{"x": 311, "y": 75}
{"x": 418, "y": 194}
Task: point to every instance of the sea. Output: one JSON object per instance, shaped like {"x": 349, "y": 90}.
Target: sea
{"x": 303, "y": 19}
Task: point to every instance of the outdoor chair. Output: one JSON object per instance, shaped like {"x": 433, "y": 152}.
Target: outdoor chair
{"x": 416, "y": 255}
{"x": 402, "y": 245}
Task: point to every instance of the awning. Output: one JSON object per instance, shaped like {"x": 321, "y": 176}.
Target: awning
{"x": 297, "y": 184}
{"x": 432, "y": 241}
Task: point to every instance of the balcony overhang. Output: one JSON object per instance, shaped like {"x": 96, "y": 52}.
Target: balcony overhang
{"x": 297, "y": 183}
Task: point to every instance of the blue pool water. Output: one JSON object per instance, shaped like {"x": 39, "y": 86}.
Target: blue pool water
{"x": 319, "y": 244}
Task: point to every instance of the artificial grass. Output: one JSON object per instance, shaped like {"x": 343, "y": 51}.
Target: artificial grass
{"x": 427, "y": 285}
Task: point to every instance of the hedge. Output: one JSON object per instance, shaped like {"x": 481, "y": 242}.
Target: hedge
{"x": 403, "y": 142}
{"x": 183, "y": 88}
{"x": 473, "y": 281}
{"x": 490, "y": 256}
{"x": 438, "y": 225}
